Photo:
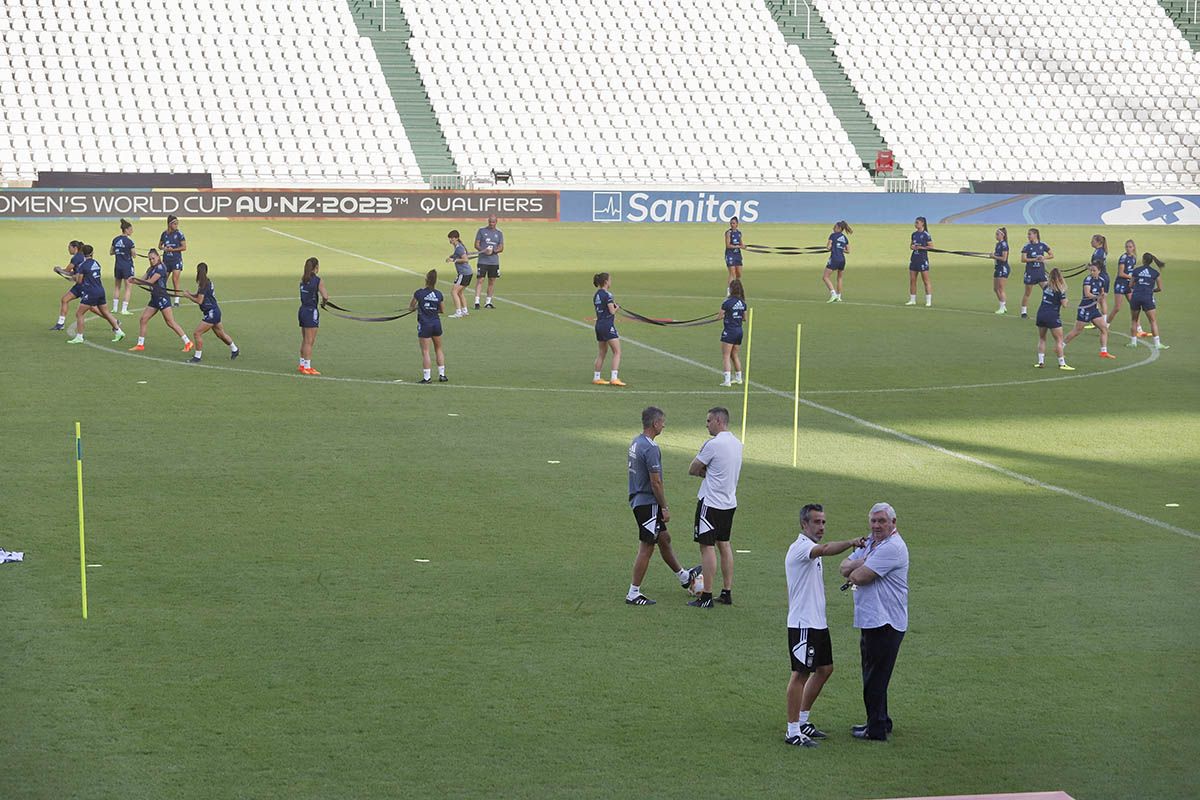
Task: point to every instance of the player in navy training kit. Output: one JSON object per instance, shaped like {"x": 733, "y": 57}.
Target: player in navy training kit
{"x": 1054, "y": 297}
{"x": 91, "y": 296}
{"x": 918, "y": 263}
{"x": 648, "y": 499}
{"x": 1126, "y": 264}
{"x": 429, "y": 305}
{"x": 160, "y": 300}
{"x": 311, "y": 287}
{"x": 1091, "y": 309}
{"x": 607, "y": 338}
{"x": 733, "y": 250}
{"x": 72, "y": 268}
{"x": 733, "y": 312}
{"x": 122, "y": 248}
{"x": 210, "y": 318}
{"x": 1000, "y": 275}
{"x": 172, "y": 242}
{"x": 1034, "y": 256}
{"x": 838, "y": 246}
{"x": 1144, "y": 282}
{"x": 462, "y": 273}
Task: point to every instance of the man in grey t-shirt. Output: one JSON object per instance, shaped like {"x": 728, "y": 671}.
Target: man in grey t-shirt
{"x": 648, "y": 499}
{"x": 489, "y": 243}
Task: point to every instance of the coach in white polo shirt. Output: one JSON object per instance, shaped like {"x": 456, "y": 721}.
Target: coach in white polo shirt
{"x": 879, "y": 572}
{"x": 719, "y": 463}
{"x": 811, "y": 649}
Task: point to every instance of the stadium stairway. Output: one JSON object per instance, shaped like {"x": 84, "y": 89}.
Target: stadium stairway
{"x": 818, "y": 52}
{"x": 404, "y": 81}
{"x": 1182, "y": 13}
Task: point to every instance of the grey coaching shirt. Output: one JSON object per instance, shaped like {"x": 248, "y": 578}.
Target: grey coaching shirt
{"x": 883, "y": 601}
{"x": 644, "y": 458}
{"x": 487, "y": 237}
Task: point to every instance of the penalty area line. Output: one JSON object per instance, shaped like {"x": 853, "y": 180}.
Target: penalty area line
{"x": 865, "y": 423}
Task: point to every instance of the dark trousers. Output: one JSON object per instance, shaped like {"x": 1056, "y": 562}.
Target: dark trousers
{"x": 879, "y": 647}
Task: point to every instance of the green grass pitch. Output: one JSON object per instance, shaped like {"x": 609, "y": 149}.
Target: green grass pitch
{"x": 260, "y": 625}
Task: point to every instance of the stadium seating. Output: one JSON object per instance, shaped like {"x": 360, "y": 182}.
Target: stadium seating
{"x": 628, "y": 92}
{"x": 258, "y": 93}
{"x": 1026, "y": 89}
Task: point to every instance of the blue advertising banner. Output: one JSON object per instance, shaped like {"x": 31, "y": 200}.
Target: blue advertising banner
{"x": 878, "y": 208}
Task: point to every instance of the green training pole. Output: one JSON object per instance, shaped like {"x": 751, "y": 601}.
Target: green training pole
{"x": 79, "y": 481}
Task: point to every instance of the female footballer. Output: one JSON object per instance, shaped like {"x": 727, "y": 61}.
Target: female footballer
{"x": 211, "y": 319}
{"x": 428, "y": 302}
{"x": 607, "y": 338}
{"x": 1054, "y": 297}
{"x": 732, "y": 313}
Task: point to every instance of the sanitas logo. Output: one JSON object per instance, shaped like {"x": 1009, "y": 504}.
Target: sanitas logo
{"x": 704, "y": 208}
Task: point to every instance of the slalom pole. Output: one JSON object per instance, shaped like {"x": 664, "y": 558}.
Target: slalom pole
{"x": 796, "y": 404}
{"x": 79, "y": 481}
{"x": 746, "y": 385}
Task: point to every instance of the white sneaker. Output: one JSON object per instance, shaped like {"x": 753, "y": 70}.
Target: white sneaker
{"x": 738, "y": 381}
{"x": 725, "y": 383}
{"x": 911, "y": 303}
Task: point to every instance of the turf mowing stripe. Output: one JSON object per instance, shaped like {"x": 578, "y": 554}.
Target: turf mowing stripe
{"x": 1026, "y": 479}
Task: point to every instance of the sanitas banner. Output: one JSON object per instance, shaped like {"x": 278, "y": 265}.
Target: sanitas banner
{"x": 50, "y": 203}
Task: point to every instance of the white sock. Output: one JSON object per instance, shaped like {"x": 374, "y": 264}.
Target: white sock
{"x": 425, "y": 374}
{"x": 442, "y": 370}
{"x": 125, "y": 306}
{"x": 1104, "y": 348}
{"x": 928, "y": 299}
{"x": 726, "y": 374}
{"x": 142, "y": 341}
{"x": 198, "y": 354}
{"x": 803, "y": 718}
{"x": 62, "y": 320}
{"x": 634, "y": 591}
{"x": 1024, "y": 310}
{"x": 614, "y": 375}
{"x": 838, "y": 295}
{"x": 793, "y": 729}
{"x": 738, "y": 375}
{"x": 683, "y": 574}
{"x": 489, "y": 302}
{"x": 184, "y": 339}
{"x": 1156, "y": 340}
{"x": 1003, "y": 307}
{"x": 304, "y": 362}
{"x": 232, "y": 347}
{"x": 1061, "y": 361}
{"x": 912, "y": 298}
{"x": 1041, "y": 358}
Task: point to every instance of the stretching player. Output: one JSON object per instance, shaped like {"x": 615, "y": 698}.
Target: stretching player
{"x": 1100, "y": 259}
{"x": 211, "y": 319}
{"x": 838, "y": 246}
{"x": 311, "y": 287}
{"x": 1000, "y": 275}
{"x": 72, "y": 268}
{"x": 732, "y": 312}
{"x": 1126, "y": 264}
{"x": 172, "y": 242}
{"x": 918, "y": 263}
{"x": 1146, "y": 280}
{"x": 91, "y": 297}
{"x": 160, "y": 300}
{"x": 733, "y": 251}
{"x": 1091, "y": 309}
{"x": 123, "y": 249}
{"x": 1034, "y": 256}
{"x": 607, "y": 338}
{"x": 462, "y": 273}
{"x": 1054, "y": 297}
{"x": 429, "y": 303}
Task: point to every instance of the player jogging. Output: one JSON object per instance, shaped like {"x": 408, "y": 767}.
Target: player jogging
{"x": 1000, "y": 274}
{"x": 309, "y": 315}
{"x": 1126, "y": 264}
{"x": 122, "y": 247}
{"x": 156, "y": 279}
{"x": 1091, "y": 309}
{"x": 172, "y": 242}
{"x": 462, "y": 273}
{"x": 918, "y": 262}
{"x": 648, "y": 499}
{"x": 76, "y": 289}
{"x": 429, "y": 303}
{"x": 1034, "y": 256}
{"x": 838, "y": 246}
{"x": 206, "y": 298}
{"x": 91, "y": 297}
{"x": 810, "y": 648}
{"x": 607, "y": 338}
{"x": 1054, "y": 297}
{"x": 732, "y": 313}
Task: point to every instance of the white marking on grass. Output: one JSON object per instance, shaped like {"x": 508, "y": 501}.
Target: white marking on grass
{"x": 553, "y": 462}
{"x": 452, "y": 415}
{"x": 141, "y": 382}
{"x": 741, "y": 551}
{"x": 1172, "y": 505}
{"x": 421, "y": 560}
{"x": 891, "y": 432}
{"x": 95, "y": 565}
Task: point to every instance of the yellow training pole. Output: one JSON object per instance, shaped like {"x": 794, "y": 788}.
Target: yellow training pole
{"x": 746, "y": 385}
{"x": 796, "y": 403}
{"x": 82, "y": 557}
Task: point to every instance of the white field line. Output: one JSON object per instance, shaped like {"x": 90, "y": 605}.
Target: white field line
{"x": 891, "y": 432}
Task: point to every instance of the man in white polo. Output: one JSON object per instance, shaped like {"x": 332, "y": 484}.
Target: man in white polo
{"x": 719, "y": 463}
{"x": 811, "y": 649}
{"x": 879, "y": 573}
